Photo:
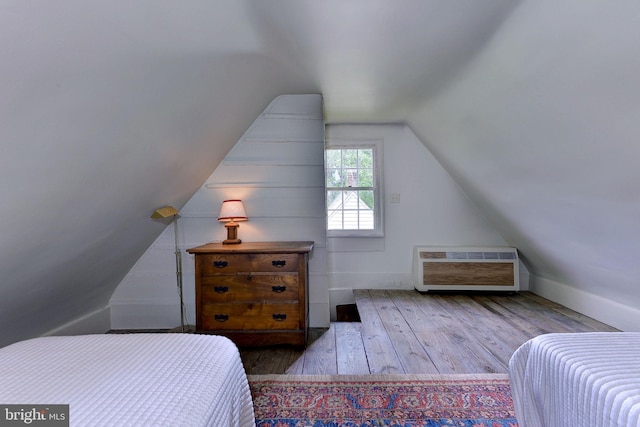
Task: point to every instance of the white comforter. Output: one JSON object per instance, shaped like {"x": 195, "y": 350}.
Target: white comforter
{"x": 131, "y": 380}
{"x": 582, "y": 380}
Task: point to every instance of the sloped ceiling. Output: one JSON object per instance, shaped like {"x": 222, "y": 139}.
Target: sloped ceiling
{"x": 543, "y": 132}
{"x": 112, "y": 109}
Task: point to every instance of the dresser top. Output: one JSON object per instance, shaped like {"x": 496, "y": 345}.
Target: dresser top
{"x": 253, "y": 247}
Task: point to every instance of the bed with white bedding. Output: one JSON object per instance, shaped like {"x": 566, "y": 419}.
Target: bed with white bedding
{"x": 131, "y": 379}
{"x": 577, "y": 379}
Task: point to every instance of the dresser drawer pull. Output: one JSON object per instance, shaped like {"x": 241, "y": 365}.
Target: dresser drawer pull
{"x": 279, "y": 317}
{"x": 220, "y": 264}
{"x": 221, "y": 289}
{"x": 279, "y": 263}
{"x": 220, "y": 317}
{"x": 278, "y": 289}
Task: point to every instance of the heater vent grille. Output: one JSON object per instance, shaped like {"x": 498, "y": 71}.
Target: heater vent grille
{"x": 442, "y": 268}
{"x": 467, "y": 255}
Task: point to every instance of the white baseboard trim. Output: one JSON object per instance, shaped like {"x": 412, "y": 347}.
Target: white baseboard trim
{"x": 375, "y": 280}
{"x": 319, "y": 315}
{"x": 602, "y": 309}
{"x": 97, "y": 322}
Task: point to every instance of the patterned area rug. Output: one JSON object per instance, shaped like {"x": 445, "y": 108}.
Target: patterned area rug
{"x": 382, "y": 400}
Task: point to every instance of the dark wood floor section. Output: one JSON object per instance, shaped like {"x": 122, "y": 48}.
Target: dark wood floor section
{"x": 423, "y": 333}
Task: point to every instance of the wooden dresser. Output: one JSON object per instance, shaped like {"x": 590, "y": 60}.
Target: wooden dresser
{"x": 253, "y": 293}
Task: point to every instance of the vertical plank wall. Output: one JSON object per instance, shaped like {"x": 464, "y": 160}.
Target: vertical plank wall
{"x": 277, "y": 169}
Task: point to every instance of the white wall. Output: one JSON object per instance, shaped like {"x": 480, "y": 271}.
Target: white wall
{"x": 277, "y": 169}
{"x": 621, "y": 316}
{"x": 432, "y": 211}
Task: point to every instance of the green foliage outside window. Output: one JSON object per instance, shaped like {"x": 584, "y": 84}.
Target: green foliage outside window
{"x": 350, "y": 169}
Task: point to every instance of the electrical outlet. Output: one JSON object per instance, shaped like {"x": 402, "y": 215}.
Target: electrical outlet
{"x": 395, "y": 197}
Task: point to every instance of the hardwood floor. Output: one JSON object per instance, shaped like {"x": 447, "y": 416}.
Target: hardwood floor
{"x": 411, "y": 332}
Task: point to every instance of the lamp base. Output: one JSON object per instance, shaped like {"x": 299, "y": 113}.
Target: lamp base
{"x": 231, "y": 241}
{"x": 232, "y": 234}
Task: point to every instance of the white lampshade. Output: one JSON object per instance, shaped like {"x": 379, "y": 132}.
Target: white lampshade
{"x": 232, "y": 210}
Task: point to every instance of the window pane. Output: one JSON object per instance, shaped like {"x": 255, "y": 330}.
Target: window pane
{"x": 334, "y": 158}
{"x": 352, "y": 177}
{"x": 350, "y": 158}
{"x": 350, "y": 220}
{"x": 333, "y": 200}
{"x": 334, "y": 220}
{"x": 366, "y": 220}
{"x": 350, "y": 200}
{"x": 334, "y": 178}
{"x": 366, "y": 197}
{"x": 365, "y": 178}
{"x": 365, "y": 158}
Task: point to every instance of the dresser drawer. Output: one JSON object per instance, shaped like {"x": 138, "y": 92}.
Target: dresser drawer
{"x": 254, "y": 293}
{"x": 236, "y": 263}
{"x": 250, "y": 316}
{"x": 254, "y": 287}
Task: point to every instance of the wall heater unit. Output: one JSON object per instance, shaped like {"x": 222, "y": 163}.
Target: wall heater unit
{"x": 465, "y": 268}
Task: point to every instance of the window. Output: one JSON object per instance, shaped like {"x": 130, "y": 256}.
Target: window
{"x": 353, "y": 189}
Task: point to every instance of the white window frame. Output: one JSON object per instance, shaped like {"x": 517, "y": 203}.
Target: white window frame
{"x": 378, "y": 214}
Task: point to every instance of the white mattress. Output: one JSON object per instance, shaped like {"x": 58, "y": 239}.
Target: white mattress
{"x": 582, "y": 379}
{"x": 131, "y": 380}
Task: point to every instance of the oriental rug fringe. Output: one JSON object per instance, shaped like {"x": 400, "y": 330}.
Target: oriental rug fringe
{"x": 482, "y": 400}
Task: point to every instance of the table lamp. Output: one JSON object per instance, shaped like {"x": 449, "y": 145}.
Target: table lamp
{"x": 232, "y": 212}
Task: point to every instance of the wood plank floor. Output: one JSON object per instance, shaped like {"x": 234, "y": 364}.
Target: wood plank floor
{"x": 411, "y": 332}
